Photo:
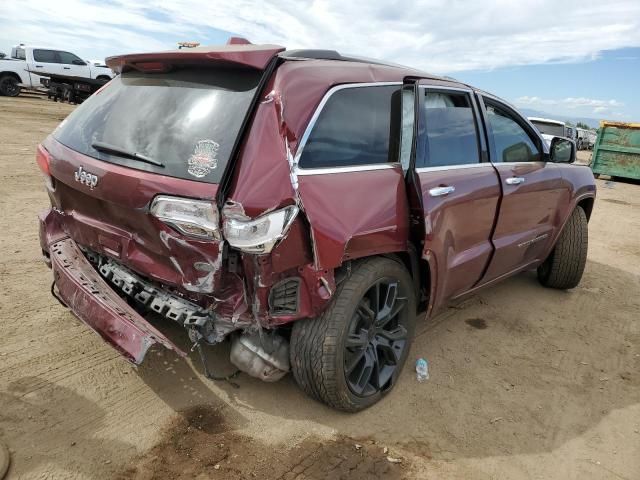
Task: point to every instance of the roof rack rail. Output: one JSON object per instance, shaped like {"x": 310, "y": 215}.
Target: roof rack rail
{"x": 314, "y": 54}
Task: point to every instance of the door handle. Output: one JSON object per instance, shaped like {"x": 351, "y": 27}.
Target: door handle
{"x": 67, "y": 68}
{"x": 514, "y": 180}
{"x": 38, "y": 66}
{"x": 441, "y": 191}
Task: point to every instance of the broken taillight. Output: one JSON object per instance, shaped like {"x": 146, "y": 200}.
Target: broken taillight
{"x": 259, "y": 235}
{"x": 193, "y": 218}
{"x": 43, "y": 160}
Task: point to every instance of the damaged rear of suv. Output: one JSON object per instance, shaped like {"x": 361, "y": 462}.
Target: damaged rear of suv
{"x": 274, "y": 198}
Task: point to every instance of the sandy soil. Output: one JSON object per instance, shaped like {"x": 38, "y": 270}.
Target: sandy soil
{"x": 525, "y": 382}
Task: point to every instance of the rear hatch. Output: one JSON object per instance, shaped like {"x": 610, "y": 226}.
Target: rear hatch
{"x": 166, "y": 127}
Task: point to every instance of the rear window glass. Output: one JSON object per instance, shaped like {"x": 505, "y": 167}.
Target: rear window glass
{"x": 352, "y": 129}
{"x": 45, "y": 56}
{"x": 187, "y": 120}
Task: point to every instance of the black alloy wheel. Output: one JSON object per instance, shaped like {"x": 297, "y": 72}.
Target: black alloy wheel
{"x": 351, "y": 355}
{"x": 376, "y": 340}
{"x": 9, "y": 86}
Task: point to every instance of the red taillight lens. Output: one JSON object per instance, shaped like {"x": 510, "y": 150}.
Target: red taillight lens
{"x": 44, "y": 162}
{"x": 44, "y": 159}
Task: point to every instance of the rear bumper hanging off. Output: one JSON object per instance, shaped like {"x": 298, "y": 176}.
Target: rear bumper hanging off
{"x": 95, "y": 303}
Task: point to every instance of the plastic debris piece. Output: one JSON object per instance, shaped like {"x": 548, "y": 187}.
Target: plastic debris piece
{"x": 494, "y": 420}
{"x": 394, "y": 460}
{"x": 422, "y": 370}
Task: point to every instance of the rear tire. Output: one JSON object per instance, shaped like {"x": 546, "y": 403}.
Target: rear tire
{"x": 352, "y": 355}
{"x": 564, "y": 267}
{"x": 9, "y": 86}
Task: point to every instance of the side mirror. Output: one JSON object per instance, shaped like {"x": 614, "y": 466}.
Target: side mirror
{"x": 562, "y": 150}
{"x": 78, "y": 62}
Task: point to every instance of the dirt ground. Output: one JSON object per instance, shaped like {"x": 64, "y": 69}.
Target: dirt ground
{"x": 525, "y": 382}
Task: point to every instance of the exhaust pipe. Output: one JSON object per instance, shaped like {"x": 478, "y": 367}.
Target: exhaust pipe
{"x": 265, "y": 357}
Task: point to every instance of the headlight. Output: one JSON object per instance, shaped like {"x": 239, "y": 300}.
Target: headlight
{"x": 194, "y": 218}
{"x": 261, "y": 234}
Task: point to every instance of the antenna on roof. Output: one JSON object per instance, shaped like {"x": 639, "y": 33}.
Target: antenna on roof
{"x": 238, "y": 41}
{"x": 182, "y": 45}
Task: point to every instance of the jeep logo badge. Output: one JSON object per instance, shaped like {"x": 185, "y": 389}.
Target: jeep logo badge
{"x": 89, "y": 179}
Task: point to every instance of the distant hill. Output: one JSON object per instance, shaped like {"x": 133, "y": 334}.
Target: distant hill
{"x": 592, "y": 122}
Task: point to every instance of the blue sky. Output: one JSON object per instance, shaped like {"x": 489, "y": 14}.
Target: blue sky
{"x": 566, "y": 88}
{"x": 580, "y": 58}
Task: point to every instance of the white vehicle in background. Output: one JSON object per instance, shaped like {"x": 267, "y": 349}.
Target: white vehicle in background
{"x": 586, "y": 139}
{"x": 19, "y": 71}
{"x": 571, "y": 132}
{"x": 552, "y": 128}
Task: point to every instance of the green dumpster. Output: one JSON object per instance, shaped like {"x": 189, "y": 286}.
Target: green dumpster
{"x": 617, "y": 150}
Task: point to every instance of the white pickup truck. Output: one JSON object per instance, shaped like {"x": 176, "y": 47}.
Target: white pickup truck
{"x": 15, "y": 72}
{"x": 552, "y": 128}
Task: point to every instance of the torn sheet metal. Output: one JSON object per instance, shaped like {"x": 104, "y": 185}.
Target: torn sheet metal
{"x": 95, "y": 303}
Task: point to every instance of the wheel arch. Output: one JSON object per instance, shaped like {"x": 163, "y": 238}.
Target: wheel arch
{"x": 11, "y": 74}
{"x": 420, "y": 271}
{"x": 587, "y": 205}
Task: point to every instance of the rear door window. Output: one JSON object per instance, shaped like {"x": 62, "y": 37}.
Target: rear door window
{"x": 352, "y": 129}
{"x": 46, "y": 56}
{"x": 187, "y": 120}
{"x": 448, "y": 134}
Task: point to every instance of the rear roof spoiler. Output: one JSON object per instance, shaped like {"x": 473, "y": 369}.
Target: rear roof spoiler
{"x": 239, "y": 55}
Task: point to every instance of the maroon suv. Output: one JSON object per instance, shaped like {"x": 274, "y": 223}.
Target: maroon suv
{"x": 302, "y": 204}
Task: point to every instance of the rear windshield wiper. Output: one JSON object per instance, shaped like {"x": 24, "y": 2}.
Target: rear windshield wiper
{"x": 105, "y": 147}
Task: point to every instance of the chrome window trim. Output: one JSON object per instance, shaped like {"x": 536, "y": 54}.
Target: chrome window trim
{"x": 305, "y": 136}
{"x": 453, "y": 167}
{"x": 513, "y": 164}
{"x": 354, "y": 168}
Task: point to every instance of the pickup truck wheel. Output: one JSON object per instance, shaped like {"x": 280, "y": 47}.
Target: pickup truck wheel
{"x": 9, "y": 86}
{"x": 564, "y": 267}
{"x": 352, "y": 355}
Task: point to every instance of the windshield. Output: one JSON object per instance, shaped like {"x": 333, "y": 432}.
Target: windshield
{"x": 186, "y": 122}
{"x": 549, "y": 128}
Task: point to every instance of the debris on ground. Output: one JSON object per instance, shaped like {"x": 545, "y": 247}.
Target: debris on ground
{"x": 422, "y": 370}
